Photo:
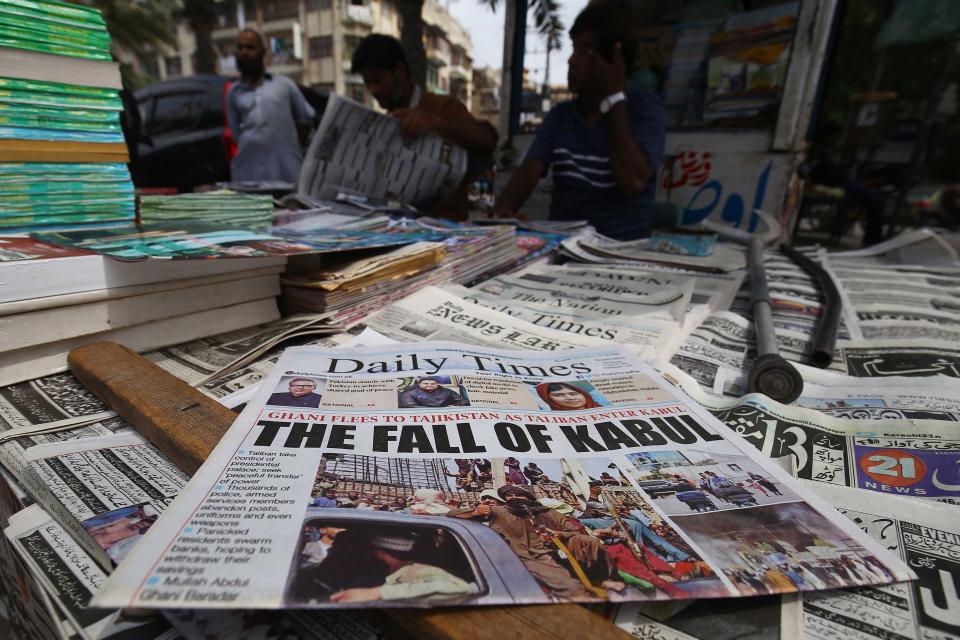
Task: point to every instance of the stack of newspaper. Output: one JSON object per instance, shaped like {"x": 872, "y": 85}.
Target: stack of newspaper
{"x": 92, "y": 473}
{"x": 62, "y": 151}
{"x": 647, "y": 309}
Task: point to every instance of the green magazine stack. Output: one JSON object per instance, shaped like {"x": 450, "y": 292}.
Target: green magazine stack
{"x": 62, "y": 151}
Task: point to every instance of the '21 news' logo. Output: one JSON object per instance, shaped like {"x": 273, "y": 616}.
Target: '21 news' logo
{"x": 908, "y": 472}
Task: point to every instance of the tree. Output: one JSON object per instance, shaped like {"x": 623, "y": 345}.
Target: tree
{"x": 201, "y": 15}
{"x": 546, "y": 17}
{"x": 138, "y": 27}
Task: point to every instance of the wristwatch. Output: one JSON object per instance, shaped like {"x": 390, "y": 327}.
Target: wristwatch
{"x": 607, "y": 103}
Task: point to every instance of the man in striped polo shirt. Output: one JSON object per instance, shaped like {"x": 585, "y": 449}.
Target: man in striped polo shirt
{"x": 604, "y": 146}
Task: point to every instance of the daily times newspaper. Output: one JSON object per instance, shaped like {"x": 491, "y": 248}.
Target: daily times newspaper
{"x": 439, "y": 474}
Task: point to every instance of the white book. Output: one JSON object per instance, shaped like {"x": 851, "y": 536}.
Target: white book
{"x": 50, "y": 325}
{"x": 100, "y": 295}
{"x": 49, "y": 67}
{"x": 43, "y": 277}
{"x": 49, "y": 358}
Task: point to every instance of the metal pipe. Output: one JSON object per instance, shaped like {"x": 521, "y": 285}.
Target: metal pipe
{"x": 770, "y": 374}
{"x": 825, "y": 339}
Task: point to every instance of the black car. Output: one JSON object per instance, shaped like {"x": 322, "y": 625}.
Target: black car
{"x": 185, "y": 139}
{"x": 661, "y": 488}
{"x": 184, "y": 135}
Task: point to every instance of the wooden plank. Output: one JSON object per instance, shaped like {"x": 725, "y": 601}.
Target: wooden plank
{"x": 186, "y": 425}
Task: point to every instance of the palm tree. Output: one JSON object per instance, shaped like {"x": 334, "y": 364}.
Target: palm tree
{"x": 546, "y": 17}
{"x": 138, "y": 27}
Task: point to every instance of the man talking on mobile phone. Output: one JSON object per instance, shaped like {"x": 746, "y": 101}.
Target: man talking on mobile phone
{"x": 605, "y": 145}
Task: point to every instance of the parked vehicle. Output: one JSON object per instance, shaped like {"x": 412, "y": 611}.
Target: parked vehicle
{"x": 469, "y": 550}
{"x": 662, "y": 488}
{"x": 736, "y": 495}
{"x": 184, "y": 137}
{"x": 697, "y": 500}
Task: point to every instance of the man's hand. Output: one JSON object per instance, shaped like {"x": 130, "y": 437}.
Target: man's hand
{"x": 414, "y": 123}
{"x": 356, "y": 595}
{"x": 483, "y": 510}
{"x": 610, "y": 74}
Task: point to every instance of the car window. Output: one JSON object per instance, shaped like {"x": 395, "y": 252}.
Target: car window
{"x": 176, "y": 112}
{"x": 337, "y": 555}
{"x": 145, "y": 107}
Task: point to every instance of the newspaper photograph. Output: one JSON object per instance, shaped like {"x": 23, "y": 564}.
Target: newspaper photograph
{"x": 438, "y": 474}
{"x": 357, "y": 150}
{"x": 927, "y": 537}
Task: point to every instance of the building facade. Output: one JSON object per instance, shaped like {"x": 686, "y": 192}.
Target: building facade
{"x": 485, "y": 98}
{"x": 312, "y": 42}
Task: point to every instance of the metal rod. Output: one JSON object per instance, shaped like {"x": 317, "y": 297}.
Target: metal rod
{"x": 825, "y": 339}
{"x": 770, "y": 374}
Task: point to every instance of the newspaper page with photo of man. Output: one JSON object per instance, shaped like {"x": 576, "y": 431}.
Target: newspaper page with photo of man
{"x": 357, "y": 150}
{"x": 438, "y": 474}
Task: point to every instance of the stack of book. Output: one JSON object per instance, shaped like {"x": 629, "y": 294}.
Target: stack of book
{"x": 62, "y": 150}
{"x": 223, "y": 207}
{"x": 57, "y": 298}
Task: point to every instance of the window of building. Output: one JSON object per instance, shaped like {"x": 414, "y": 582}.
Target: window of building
{"x": 148, "y": 64}
{"x": 357, "y": 93}
{"x": 350, "y": 44}
{"x": 281, "y": 48}
{"x": 173, "y": 66}
{"x": 319, "y": 5}
{"x": 226, "y": 14}
{"x": 280, "y": 9}
{"x": 321, "y": 47}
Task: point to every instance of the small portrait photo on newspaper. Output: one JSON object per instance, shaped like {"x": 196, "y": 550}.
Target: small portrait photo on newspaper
{"x": 569, "y": 396}
{"x": 298, "y": 391}
{"x": 119, "y": 530}
{"x": 431, "y": 391}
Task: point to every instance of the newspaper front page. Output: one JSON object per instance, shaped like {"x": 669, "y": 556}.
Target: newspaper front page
{"x": 357, "y": 150}
{"x": 927, "y": 537}
{"x": 439, "y": 473}
{"x": 435, "y": 314}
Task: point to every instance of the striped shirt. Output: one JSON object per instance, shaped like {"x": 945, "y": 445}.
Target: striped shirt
{"x": 583, "y": 185}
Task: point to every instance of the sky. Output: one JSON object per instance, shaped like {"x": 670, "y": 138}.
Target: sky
{"x": 486, "y": 32}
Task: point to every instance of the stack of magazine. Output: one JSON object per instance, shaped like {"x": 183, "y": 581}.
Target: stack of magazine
{"x": 227, "y": 207}
{"x": 62, "y": 151}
